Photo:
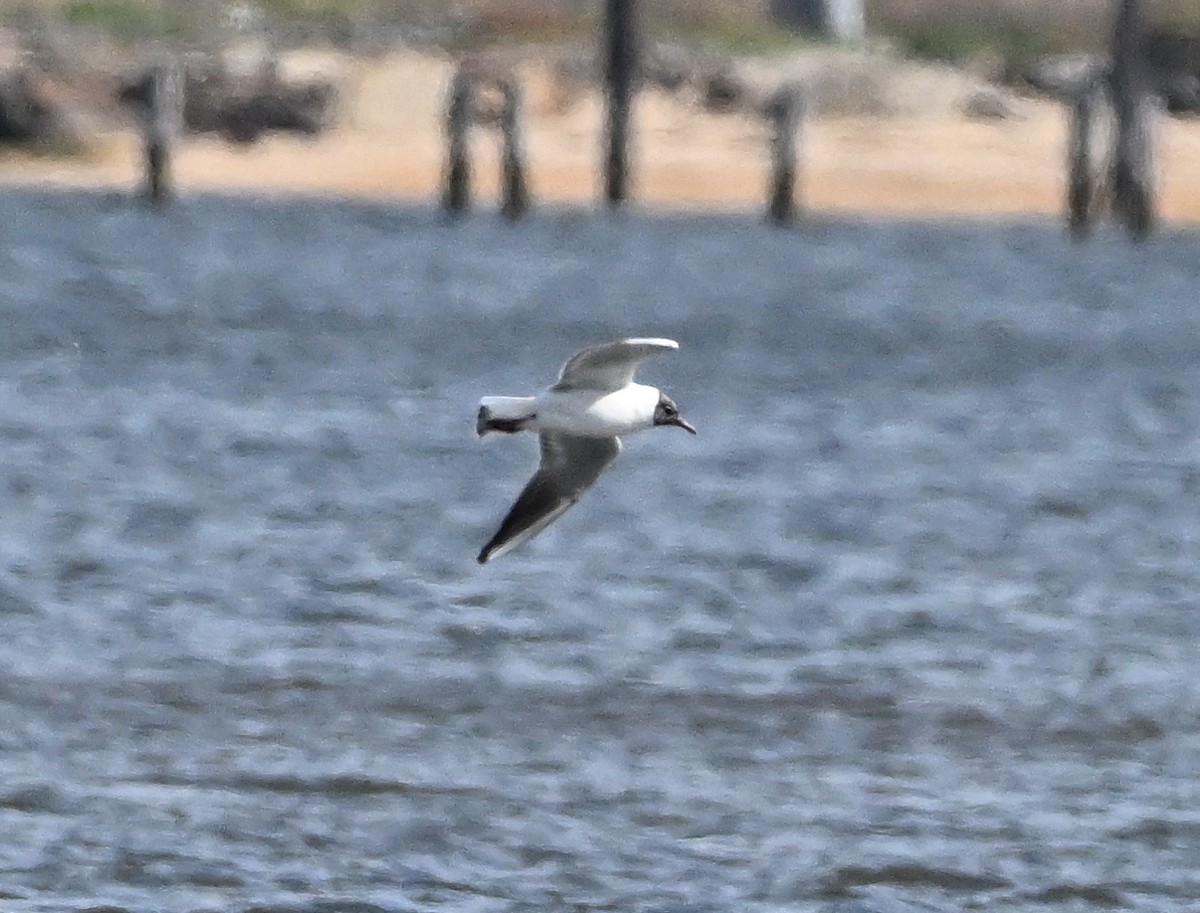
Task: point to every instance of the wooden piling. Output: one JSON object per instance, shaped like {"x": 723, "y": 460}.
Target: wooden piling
{"x": 162, "y": 127}
{"x": 784, "y": 111}
{"x": 457, "y": 192}
{"x": 620, "y": 56}
{"x": 1090, "y": 122}
{"x": 513, "y": 187}
{"x": 1133, "y": 104}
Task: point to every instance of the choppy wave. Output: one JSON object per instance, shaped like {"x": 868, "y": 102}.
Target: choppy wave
{"x": 910, "y": 625}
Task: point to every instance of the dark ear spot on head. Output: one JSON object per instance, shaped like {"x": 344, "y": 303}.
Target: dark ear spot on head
{"x": 666, "y": 412}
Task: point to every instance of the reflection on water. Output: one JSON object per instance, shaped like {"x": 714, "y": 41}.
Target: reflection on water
{"x": 910, "y": 625}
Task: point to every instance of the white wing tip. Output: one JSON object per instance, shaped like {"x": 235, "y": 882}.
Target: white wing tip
{"x": 652, "y": 341}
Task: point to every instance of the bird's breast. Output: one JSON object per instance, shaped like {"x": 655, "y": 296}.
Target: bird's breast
{"x": 597, "y": 414}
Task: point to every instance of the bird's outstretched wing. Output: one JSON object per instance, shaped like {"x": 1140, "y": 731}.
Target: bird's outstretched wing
{"x": 570, "y": 466}
{"x": 610, "y": 366}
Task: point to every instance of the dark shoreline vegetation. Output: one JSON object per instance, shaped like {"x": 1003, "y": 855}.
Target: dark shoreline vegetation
{"x": 1015, "y": 31}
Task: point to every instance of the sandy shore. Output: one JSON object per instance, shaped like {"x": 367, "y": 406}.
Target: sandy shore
{"x": 388, "y": 145}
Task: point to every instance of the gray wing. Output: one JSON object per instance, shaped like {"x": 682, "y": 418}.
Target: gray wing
{"x": 610, "y": 366}
{"x": 570, "y": 466}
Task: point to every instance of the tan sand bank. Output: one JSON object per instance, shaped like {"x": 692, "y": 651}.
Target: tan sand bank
{"x": 389, "y": 145}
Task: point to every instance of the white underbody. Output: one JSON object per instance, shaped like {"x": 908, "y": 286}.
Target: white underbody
{"x": 581, "y": 412}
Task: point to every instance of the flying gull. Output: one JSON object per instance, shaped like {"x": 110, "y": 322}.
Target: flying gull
{"x": 579, "y": 422}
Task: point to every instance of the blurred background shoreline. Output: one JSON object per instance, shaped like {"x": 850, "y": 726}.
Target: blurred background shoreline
{"x": 938, "y": 112}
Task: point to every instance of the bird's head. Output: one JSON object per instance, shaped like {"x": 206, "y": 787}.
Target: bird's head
{"x": 667, "y": 413}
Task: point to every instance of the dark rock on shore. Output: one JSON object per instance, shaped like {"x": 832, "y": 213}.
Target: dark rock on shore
{"x": 30, "y": 113}
{"x": 243, "y": 108}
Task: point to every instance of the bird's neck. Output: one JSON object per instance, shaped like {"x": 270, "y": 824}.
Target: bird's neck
{"x": 592, "y": 413}
{"x": 643, "y": 400}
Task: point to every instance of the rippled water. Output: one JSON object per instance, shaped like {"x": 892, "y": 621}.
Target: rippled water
{"x": 911, "y": 625}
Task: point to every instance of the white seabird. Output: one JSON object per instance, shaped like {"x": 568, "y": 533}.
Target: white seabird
{"x": 579, "y": 421}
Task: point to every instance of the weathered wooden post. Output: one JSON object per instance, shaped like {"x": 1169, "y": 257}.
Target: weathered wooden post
{"x": 784, "y": 110}
{"x": 1133, "y": 104}
{"x": 1086, "y": 157}
{"x": 513, "y": 188}
{"x": 619, "y": 71}
{"x": 162, "y": 126}
{"x": 457, "y": 192}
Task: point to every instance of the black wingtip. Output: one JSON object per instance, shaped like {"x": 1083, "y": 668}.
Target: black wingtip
{"x": 489, "y": 549}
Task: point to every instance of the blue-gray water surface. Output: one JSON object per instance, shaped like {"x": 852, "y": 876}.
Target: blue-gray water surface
{"x": 912, "y": 625}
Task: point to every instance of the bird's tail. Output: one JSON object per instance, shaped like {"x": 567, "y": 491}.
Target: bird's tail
{"x": 508, "y": 414}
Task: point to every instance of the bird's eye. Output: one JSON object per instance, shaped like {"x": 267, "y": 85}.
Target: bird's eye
{"x": 668, "y": 409}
